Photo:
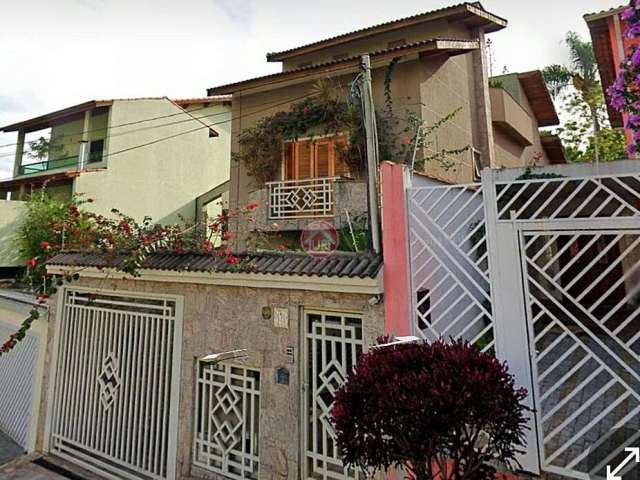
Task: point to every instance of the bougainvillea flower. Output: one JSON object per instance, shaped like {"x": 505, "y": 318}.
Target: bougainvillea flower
{"x": 45, "y": 245}
{"x": 32, "y": 262}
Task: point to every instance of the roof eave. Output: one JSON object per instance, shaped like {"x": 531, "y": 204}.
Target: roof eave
{"x": 592, "y": 17}
{"x": 492, "y": 24}
{"x": 435, "y": 46}
{"x": 551, "y": 118}
{"x": 44, "y": 121}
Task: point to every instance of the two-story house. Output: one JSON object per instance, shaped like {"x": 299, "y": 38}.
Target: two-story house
{"x": 440, "y": 66}
{"x": 520, "y": 105}
{"x": 143, "y": 156}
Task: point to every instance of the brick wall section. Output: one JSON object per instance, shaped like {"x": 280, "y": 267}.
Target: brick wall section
{"x": 219, "y": 318}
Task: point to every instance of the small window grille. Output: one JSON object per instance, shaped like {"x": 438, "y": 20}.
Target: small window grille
{"x": 227, "y": 430}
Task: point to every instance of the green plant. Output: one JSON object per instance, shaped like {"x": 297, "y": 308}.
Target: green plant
{"x": 354, "y": 237}
{"x": 53, "y": 225}
{"x": 42, "y": 147}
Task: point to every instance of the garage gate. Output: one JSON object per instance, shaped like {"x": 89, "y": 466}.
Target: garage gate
{"x": 115, "y": 389}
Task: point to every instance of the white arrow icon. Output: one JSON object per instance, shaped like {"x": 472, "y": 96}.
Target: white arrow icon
{"x": 634, "y": 454}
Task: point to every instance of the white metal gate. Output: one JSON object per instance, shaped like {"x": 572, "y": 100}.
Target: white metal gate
{"x": 579, "y": 247}
{"x": 332, "y": 346}
{"x": 19, "y": 383}
{"x": 451, "y": 290}
{"x": 115, "y": 389}
{"x": 546, "y": 272}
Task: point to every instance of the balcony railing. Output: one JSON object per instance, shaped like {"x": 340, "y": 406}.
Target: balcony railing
{"x": 48, "y": 165}
{"x": 308, "y": 198}
{"x": 66, "y": 162}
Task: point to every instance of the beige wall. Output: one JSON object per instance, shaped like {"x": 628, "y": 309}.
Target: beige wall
{"x": 509, "y": 152}
{"x": 11, "y": 214}
{"x": 430, "y": 86}
{"x": 220, "y": 318}
{"x": 163, "y": 179}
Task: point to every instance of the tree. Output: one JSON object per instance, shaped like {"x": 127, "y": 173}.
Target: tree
{"x": 582, "y": 74}
{"x": 586, "y": 135}
{"x": 439, "y": 407}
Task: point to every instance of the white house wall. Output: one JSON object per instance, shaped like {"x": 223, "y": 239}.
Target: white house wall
{"x": 163, "y": 179}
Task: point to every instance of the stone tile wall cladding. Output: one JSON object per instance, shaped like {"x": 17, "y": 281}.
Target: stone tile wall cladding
{"x": 350, "y": 196}
{"x": 222, "y": 318}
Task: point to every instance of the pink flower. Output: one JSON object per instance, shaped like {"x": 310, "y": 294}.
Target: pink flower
{"x": 32, "y": 262}
{"x": 45, "y": 245}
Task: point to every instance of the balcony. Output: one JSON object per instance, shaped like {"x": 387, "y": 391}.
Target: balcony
{"x": 39, "y": 167}
{"x": 290, "y": 204}
{"x": 511, "y": 118}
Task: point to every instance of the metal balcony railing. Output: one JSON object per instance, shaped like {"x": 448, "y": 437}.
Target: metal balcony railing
{"x": 31, "y": 168}
{"x": 48, "y": 165}
{"x": 308, "y": 198}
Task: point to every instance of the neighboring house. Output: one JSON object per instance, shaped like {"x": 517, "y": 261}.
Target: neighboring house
{"x": 610, "y": 47}
{"x": 520, "y": 105}
{"x": 143, "y": 156}
{"x": 441, "y": 67}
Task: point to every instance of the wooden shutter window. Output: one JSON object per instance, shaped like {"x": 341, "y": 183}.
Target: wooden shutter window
{"x": 305, "y": 167}
{"x": 289, "y": 161}
{"x": 315, "y": 158}
{"x": 323, "y": 158}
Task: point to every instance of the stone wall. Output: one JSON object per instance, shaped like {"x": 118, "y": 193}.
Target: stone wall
{"x": 350, "y": 196}
{"x": 222, "y": 318}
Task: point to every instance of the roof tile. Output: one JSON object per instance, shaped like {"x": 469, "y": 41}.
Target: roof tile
{"x": 340, "y": 264}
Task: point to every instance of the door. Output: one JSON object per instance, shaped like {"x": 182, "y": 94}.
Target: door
{"x": 332, "y": 344}
{"x": 583, "y": 317}
{"x": 115, "y": 383}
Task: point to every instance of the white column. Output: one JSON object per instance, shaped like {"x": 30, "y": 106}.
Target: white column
{"x": 509, "y": 308}
{"x": 83, "y": 156}
{"x": 19, "y": 153}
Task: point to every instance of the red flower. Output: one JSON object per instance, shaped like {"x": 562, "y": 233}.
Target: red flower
{"x": 252, "y": 206}
{"x": 227, "y": 235}
{"x": 45, "y": 245}
{"x": 281, "y": 247}
{"x": 32, "y": 262}
{"x": 232, "y": 260}
{"x": 208, "y": 246}
{"x": 305, "y": 111}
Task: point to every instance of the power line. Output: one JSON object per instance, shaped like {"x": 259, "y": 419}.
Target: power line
{"x": 82, "y": 132}
{"x": 151, "y": 127}
{"x": 162, "y": 139}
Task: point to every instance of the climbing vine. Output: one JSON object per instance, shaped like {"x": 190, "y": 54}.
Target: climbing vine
{"x": 624, "y": 94}
{"x": 52, "y": 226}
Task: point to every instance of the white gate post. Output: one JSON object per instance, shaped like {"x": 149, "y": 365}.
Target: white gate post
{"x": 509, "y": 313}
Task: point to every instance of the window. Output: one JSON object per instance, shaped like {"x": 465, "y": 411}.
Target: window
{"x": 315, "y": 158}
{"x": 96, "y": 148}
{"x": 227, "y": 429}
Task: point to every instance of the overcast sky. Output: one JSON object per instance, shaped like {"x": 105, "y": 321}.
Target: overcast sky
{"x": 57, "y": 53}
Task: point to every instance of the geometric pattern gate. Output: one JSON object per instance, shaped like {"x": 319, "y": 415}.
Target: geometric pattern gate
{"x": 332, "y": 347}
{"x": 111, "y": 410}
{"x": 580, "y": 256}
{"x": 563, "y": 255}
{"x": 450, "y": 275}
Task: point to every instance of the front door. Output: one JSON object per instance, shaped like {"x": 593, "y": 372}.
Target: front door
{"x": 332, "y": 344}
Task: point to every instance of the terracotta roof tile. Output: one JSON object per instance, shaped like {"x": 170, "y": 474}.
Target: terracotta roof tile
{"x": 339, "y": 264}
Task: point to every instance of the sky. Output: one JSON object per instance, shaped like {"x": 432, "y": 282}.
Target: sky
{"x": 58, "y": 53}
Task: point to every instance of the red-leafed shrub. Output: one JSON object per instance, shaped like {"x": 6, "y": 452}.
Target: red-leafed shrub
{"x": 430, "y": 408}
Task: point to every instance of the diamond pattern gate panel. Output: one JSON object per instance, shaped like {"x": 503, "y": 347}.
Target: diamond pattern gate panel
{"x": 451, "y": 294}
{"x": 227, "y": 420}
{"x": 114, "y": 385}
{"x": 333, "y": 344}
{"x": 580, "y": 254}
